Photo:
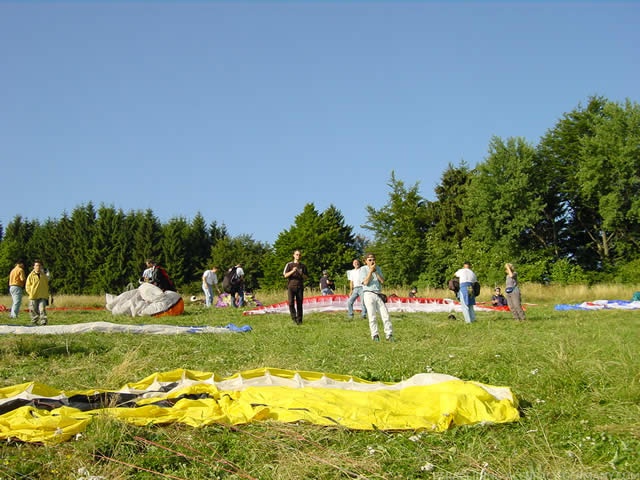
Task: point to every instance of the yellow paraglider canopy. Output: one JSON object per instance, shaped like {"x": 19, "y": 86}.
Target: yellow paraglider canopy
{"x": 33, "y": 412}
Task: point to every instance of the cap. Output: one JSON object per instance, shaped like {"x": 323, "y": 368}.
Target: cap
{"x": 324, "y": 272}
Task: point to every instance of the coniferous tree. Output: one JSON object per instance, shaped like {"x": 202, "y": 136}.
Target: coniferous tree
{"x": 324, "y": 240}
{"x": 229, "y": 251}
{"x": 147, "y": 236}
{"x": 199, "y": 249}
{"x": 79, "y": 254}
{"x": 110, "y": 247}
{"x": 175, "y": 236}
{"x": 60, "y": 265}
{"x": 449, "y": 226}
{"x": 14, "y": 244}
{"x": 336, "y": 247}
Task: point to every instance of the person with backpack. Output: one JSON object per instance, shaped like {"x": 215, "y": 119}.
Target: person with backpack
{"x": 466, "y": 294}
{"x": 159, "y": 277}
{"x": 296, "y": 273}
{"x": 233, "y": 284}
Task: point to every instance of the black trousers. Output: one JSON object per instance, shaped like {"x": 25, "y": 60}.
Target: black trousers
{"x": 295, "y": 297}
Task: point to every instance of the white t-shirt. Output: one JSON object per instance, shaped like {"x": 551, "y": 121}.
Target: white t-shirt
{"x": 210, "y": 278}
{"x": 354, "y": 276}
{"x": 466, "y": 275}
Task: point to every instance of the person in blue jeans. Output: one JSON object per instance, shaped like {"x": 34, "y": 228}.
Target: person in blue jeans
{"x": 326, "y": 284}
{"x": 17, "y": 280}
{"x": 465, "y": 295}
{"x": 355, "y": 283}
{"x": 209, "y": 282}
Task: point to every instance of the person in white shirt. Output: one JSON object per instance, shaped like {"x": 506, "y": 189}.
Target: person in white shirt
{"x": 465, "y": 295}
{"x": 355, "y": 283}
{"x": 209, "y": 282}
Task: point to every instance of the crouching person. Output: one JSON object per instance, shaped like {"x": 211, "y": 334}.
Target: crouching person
{"x": 37, "y": 288}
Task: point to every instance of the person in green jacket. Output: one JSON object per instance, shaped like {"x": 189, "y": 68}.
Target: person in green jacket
{"x": 37, "y": 288}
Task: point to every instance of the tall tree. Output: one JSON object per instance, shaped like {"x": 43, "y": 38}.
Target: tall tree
{"x": 217, "y": 232}
{"x": 504, "y": 204}
{"x": 325, "y": 241}
{"x": 147, "y": 241}
{"x": 229, "y": 251}
{"x": 560, "y": 155}
{"x": 79, "y": 251}
{"x": 609, "y": 179}
{"x": 400, "y": 229}
{"x": 199, "y": 249}
{"x": 13, "y": 244}
{"x": 448, "y": 226}
{"x": 175, "y": 234}
{"x": 110, "y": 247}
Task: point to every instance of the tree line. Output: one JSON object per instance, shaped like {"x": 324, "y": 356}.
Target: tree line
{"x": 565, "y": 210}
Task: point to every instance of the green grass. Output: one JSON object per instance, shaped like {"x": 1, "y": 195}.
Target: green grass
{"x": 576, "y": 375}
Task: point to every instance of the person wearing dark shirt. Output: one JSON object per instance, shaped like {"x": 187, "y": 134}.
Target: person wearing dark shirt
{"x": 296, "y": 273}
{"x": 498, "y": 300}
{"x": 326, "y": 284}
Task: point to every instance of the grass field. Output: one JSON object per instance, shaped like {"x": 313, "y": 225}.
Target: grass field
{"x": 576, "y": 375}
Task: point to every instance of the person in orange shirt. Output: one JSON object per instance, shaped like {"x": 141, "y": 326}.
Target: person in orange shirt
{"x": 17, "y": 279}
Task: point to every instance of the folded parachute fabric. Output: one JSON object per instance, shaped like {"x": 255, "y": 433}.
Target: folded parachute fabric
{"x": 601, "y": 305}
{"x": 108, "y": 327}
{"x": 146, "y": 300}
{"x": 33, "y": 412}
{"x": 338, "y": 303}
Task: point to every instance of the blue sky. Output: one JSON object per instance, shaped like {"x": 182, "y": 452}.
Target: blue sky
{"x": 247, "y": 111}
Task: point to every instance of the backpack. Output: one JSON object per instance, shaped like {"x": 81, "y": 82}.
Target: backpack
{"x": 454, "y": 284}
{"x": 476, "y": 289}
{"x": 160, "y": 278}
{"x": 231, "y": 279}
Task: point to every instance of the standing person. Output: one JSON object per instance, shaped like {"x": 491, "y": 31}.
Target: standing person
{"x": 17, "y": 279}
{"x": 498, "y": 300}
{"x": 37, "y": 287}
{"x": 237, "y": 287}
{"x": 296, "y": 273}
{"x": 209, "y": 281}
{"x": 513, "y": 293}
{"x": 355, "y": 283}
{"x": 326, "y": 284}
{"x": 465, "y": 295}
{"x": 372, "y": 281}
